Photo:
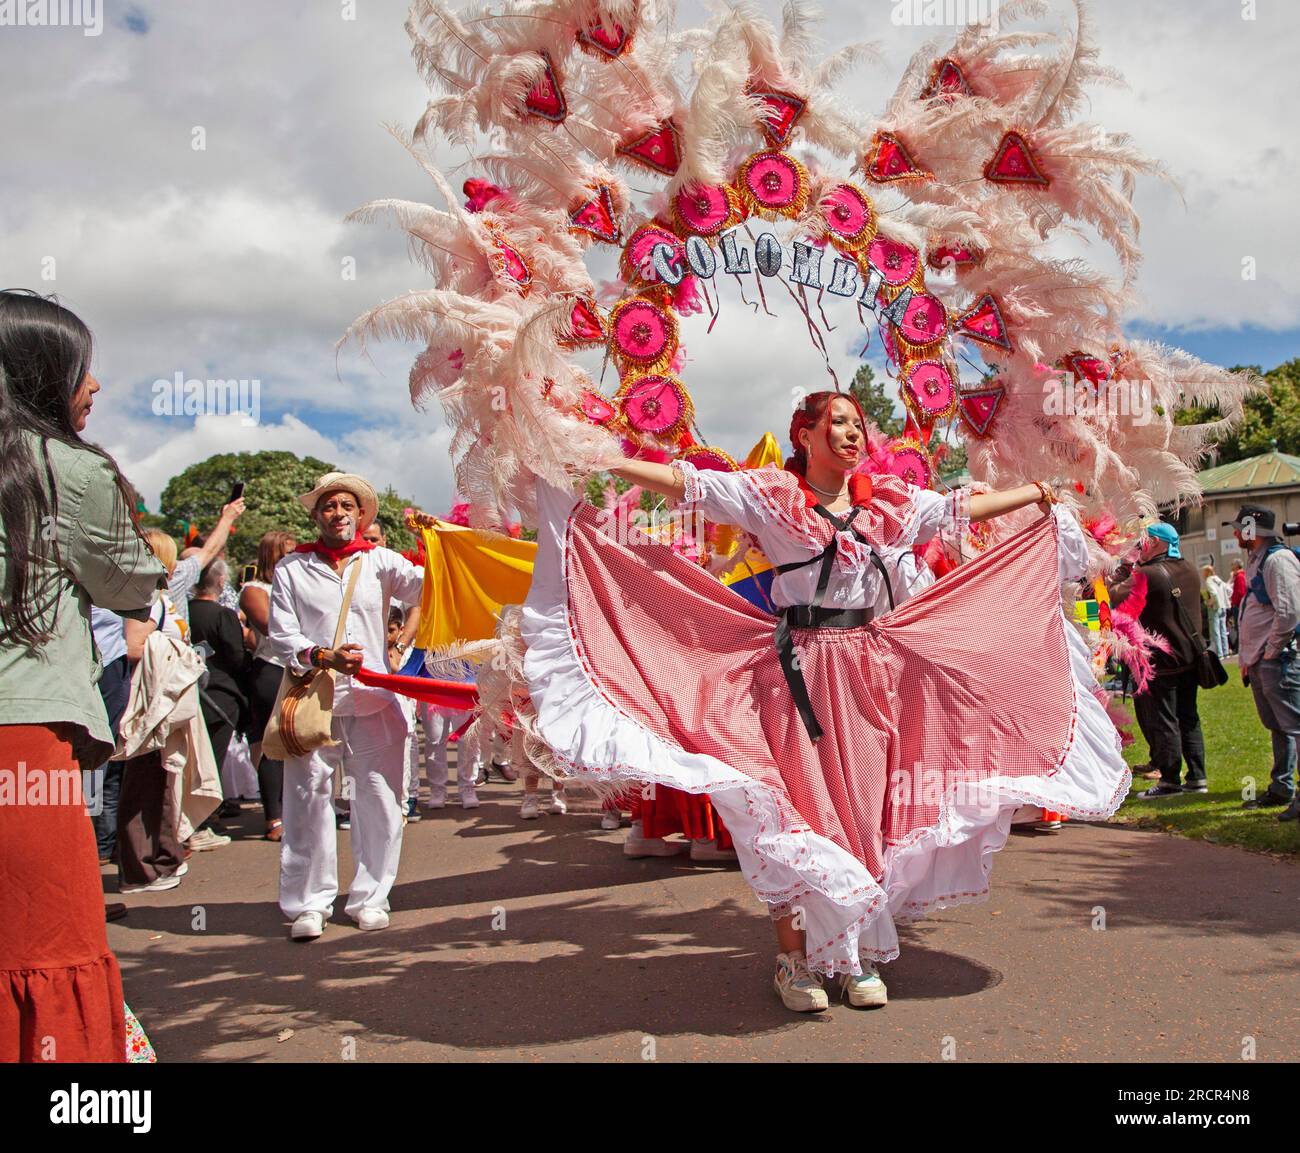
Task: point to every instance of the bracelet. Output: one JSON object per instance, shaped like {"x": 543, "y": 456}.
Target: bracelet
{"x": 1046, "y": 493}
{"x": 313, "y": 657}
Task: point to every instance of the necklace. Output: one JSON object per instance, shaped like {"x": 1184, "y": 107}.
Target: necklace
{"x": 833, "y": 495}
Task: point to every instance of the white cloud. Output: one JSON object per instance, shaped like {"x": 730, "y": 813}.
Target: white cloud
{"x": 411, "y": 459}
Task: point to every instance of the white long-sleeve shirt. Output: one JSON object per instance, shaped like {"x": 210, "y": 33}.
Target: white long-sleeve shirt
{"x": 765, "y": 504}
{"x": 306, "y": 596}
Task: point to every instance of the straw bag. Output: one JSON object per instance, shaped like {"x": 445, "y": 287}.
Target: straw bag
{"x": 304, "y": 706}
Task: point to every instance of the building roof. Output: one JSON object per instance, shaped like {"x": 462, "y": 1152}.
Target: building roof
{"x": 1269, "y": 470}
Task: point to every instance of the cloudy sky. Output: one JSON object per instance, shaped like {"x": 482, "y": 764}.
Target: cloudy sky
{"x": 225, "y": 261}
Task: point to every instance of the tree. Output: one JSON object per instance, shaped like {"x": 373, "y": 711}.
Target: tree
{"x": 1271, "y": 420}
{"x": 876, "y": 403}
{"x": 273, "y": 481}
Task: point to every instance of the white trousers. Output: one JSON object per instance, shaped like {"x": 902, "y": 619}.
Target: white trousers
{"x": 369, "y": 753}
{"x": 437, "y": 728}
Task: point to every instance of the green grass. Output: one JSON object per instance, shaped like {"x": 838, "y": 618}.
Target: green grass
{"x": 1236, "y": 746}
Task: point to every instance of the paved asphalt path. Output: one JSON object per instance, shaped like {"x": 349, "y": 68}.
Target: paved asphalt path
{"x": 539, "y": 941}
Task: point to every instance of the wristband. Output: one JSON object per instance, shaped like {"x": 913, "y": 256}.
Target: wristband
{"x": 313, "y": 657}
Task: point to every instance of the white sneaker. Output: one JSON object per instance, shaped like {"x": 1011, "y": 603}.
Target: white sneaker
{"x": 638, "y": 846}
{"x": 559, "y": 805}
{"x": 468, "y": 797}
{"x": 611, "y": 819}
{"x": 798, "y": 989}
{"x": 866, "y": 991}
{"x": 531, "y": 808}
{"x": 206, "y": 839}
{"x": 437, "y": 796}
{"x": 307, "y": 926}
{"x": 706, "y": 850}
{"x": 157, "y": 885}
{"x": 372, "y": 919}
{"x": 185, "y": 868}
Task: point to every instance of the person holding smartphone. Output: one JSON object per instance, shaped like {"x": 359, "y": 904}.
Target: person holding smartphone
{"x": 192, "y": 563}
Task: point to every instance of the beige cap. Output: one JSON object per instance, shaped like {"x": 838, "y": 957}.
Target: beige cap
{"x": 348, "y": 482}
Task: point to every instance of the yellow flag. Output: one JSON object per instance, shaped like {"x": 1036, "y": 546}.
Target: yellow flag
{"x": 765, "y": 452}
{"x": 468, "y": 576}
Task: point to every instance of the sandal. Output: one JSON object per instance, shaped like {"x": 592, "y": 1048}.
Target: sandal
{"x": 274, "y": 830}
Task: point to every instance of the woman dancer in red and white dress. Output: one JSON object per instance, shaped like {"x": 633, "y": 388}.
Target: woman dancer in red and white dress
{"x": 867, "y": 762}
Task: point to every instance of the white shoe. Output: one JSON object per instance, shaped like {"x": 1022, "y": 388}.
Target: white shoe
{"x": 705, "y": 850}
{"x": 468, "y": 797}
{"x": 559, "y": 805}
{"x": 157, "y": 885}
{"x": 531, "y": 808}
{"x": 307, "y": 926}
{"x": 372, "y": 919}
{"x": 206, "y": 839}
{"x": 611, "y": 819}
{"x": 437, "y": 796}
{"x": 866, "y": 991}
{"x": 185, "y": 868}
{"x": 638, "y": 846}
{"x": 798, "y": 989}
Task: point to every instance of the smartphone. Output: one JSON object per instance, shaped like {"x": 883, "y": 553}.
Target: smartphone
{"x": 250, "y": 571}
{"x": 236, "y": 491}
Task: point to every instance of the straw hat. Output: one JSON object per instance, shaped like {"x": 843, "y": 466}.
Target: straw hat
{"x": 348, "y": 482}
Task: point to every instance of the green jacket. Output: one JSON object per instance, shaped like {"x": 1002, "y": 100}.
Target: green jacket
{"x": 94, "y": 556}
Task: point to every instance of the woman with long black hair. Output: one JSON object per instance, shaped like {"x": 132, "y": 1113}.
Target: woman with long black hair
{"x": 67, "y": 540}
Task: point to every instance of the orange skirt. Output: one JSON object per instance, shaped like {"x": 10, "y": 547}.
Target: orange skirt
{"x": 60, "y": 988}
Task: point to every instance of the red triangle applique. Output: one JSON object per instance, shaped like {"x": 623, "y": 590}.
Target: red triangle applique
{"x": 513, "y": 266}
{"x": 658, "y": 149}
{"x": 545, "y": 98}
{"x": 984, "y": 323}
{"x": 780, "y": 112}
{"x": 947, "y": 80}
{"x": 1085, "y": 367}
{"x": 585, "y": 324}
{"x": 610, "y": 39}
{"x": 596, "y": 216}
{"x": 977, "y": 407}
{"x": 888, "y": 160}
{"x": 1014, "y": 163}
{"x": 958, "y": 255}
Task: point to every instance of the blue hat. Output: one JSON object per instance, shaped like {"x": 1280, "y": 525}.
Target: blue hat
{"x": 1163, "y": 530}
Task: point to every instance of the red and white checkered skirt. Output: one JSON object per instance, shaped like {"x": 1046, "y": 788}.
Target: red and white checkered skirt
{"x": 972, "y": 699}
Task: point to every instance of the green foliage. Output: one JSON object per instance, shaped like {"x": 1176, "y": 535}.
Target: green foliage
{"x": 953, "y": 461}
{"x": 877, "y": 403}
{"x": 272, "y": 483}
{"x": 1272, "y": 417}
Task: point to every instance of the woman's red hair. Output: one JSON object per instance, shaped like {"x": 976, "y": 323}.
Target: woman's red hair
{"x": 808, "y": 415}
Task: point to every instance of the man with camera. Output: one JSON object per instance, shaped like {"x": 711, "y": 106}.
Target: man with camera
{"x": 1267, "y": 621}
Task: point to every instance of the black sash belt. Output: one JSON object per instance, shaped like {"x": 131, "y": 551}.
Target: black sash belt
{"x": 814, "y": 616}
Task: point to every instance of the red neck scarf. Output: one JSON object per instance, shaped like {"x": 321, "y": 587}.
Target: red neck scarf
{"x": 859, "y": 488}
{"x": 334, "y": 555}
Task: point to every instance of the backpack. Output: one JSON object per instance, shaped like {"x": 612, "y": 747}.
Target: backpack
{"x": 1256, "y": 585}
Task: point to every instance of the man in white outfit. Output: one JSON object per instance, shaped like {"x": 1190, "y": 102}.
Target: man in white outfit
{"x": 369, "y": 726}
